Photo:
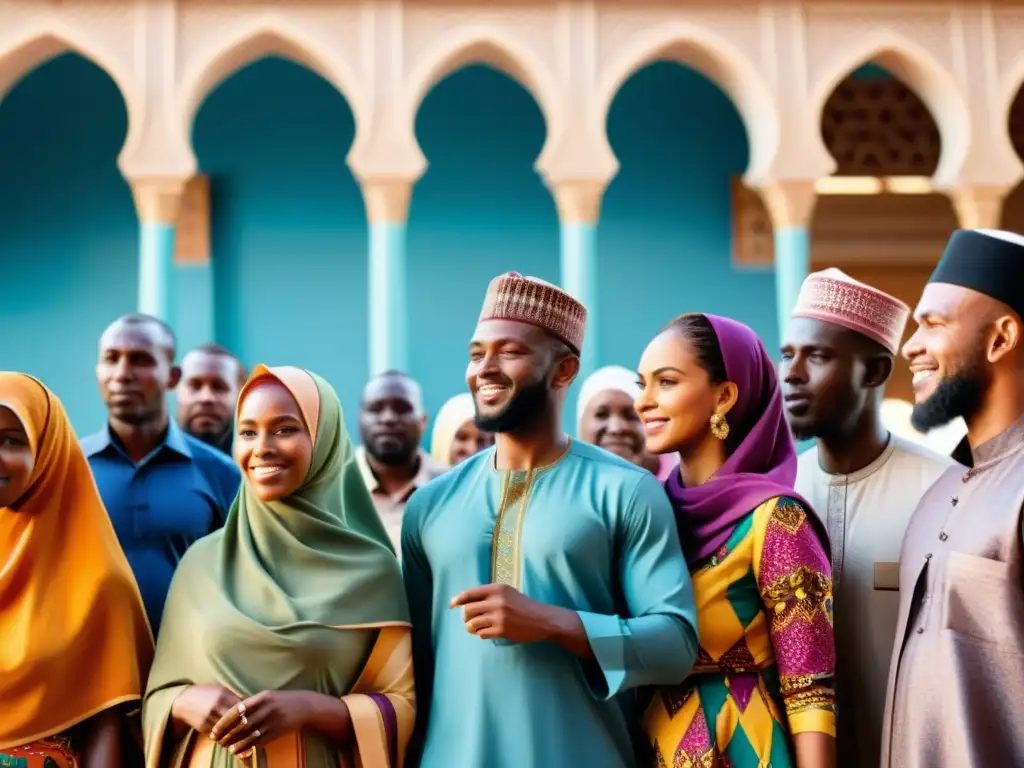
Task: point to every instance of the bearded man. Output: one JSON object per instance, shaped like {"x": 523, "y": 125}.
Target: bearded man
{"x": 545, "y": 576}
{"x": 955, "y": 682}
{"x": 391, "y": 461}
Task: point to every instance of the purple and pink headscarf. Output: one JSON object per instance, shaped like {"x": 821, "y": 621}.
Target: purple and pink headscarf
{"x": 763, "y": 465}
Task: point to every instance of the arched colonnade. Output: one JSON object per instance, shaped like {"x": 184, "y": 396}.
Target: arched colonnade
{"x": 778, "y": 62}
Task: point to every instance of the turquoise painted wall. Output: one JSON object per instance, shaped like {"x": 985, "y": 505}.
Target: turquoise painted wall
{"x": 68, "y": 231}
{"x": 288, "y": 223}
{"x": 289, "y": 231}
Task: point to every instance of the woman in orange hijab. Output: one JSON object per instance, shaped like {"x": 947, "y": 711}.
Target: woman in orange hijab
{"x": 75, "y": 646}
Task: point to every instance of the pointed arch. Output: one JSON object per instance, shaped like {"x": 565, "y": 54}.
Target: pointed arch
{"x": 700, "y": 49}
{"x": 478, "y": 45}
{"x": 934, "y": 84}
{"x": 258, "y": 40}
{"x": 44, "y": 42}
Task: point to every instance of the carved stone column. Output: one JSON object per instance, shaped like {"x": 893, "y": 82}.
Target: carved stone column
{"x": 387, "y": 211}
{"x": 157, "y": 200}
{"x": 791, "y": 205}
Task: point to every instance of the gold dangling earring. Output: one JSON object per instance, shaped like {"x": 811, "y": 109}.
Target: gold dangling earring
{"x": 719, "y": 426}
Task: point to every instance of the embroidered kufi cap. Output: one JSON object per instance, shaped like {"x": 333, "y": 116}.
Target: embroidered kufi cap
{"x": 512, "y": 296}
{"x": 834, "y": 297}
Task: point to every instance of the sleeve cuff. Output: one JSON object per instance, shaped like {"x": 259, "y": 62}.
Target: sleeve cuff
{"x": 813, "y": 721}
{"x": 606, "y": 674}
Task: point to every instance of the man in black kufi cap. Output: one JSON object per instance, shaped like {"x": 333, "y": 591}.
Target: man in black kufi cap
{"x": 957, "y": 675}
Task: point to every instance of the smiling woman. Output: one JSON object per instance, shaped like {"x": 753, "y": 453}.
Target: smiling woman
{"x": 606, "y": 417}
{"x": 279, "y": 627}
{"x": 757, "y": 554}
{"x": 274, "y": 448}
{"x": 75, "y": 646}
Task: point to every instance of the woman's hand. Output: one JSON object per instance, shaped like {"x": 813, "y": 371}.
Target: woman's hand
{"x": 200, "y": 707}
{"x": 260, "y": 719}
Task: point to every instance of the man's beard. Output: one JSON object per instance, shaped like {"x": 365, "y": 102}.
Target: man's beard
{"x": 958, "y": 395}
{"x": 220, "y": 438}
{"x": 522, "y": 409}
{"x": 393, "y": 455}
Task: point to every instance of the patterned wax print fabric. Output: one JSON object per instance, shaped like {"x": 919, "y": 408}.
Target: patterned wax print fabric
{"x": 766, "y": 661}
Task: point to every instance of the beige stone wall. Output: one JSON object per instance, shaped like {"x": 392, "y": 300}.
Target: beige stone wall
{"x": 778, "y": 60}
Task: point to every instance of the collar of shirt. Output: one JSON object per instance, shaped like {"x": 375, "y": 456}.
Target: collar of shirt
{"x": 864, "y": 472}
{"x": 428, "y": 470}
{"x": 105, "y": 442}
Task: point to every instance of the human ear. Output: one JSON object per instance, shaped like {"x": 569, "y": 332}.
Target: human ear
{"x": 174, "y": 377}
{"x": 565, "y": 372}
{"x": 1004, "y": 339}
{"x": 877, "y": 370}
{"x": 728, "y": 394}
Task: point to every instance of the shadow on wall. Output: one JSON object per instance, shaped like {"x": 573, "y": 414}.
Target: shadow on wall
{"x": 68, "y": 229}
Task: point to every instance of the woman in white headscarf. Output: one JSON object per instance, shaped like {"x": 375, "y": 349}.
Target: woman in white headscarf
{"x": 456, "y": 437}
{"x": 606, "y": 418}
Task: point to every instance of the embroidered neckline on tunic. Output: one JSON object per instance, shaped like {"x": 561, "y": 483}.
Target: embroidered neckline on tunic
{"x": 864, "y": 472}
{"x": 493, "y": 463}
{"x": 516, "y": 490}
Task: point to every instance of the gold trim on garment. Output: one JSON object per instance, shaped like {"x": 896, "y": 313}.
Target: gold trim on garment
{"x": 506, "y": 547}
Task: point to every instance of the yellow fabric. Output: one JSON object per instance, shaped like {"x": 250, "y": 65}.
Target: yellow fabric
{"x": 738, "y": 703}
{"x": 75, "y": 640}
{"x": 813, "y": 721}
{"x": 389, "y": 672}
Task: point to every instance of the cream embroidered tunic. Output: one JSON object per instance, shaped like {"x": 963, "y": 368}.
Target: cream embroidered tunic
{"x": 866, "y": 514}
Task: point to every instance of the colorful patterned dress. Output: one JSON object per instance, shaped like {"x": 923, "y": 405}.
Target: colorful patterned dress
{"x": 52, "y": 752}
{"x": 766, "y": 660}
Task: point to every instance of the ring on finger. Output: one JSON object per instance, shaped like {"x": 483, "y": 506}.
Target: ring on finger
{"x": 245, "y": 720}
{"x": 257, "y": 735}
{"x": 241, "y": 708}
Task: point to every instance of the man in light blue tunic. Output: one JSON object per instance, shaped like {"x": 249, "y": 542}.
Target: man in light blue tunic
{"x": 545, "y": 576}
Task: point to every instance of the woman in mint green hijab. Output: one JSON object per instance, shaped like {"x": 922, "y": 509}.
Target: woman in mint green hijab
{"x": 285, "y": 638}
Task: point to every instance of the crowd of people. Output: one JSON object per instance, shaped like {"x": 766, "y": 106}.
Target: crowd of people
{"x": 240, "y": 584}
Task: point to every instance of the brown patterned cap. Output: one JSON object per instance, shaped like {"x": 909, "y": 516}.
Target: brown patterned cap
{"x": 835, "y": 297}
{"x": 530, "y": 300}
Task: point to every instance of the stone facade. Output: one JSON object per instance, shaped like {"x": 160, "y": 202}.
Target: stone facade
{"x": 779, "y": 60}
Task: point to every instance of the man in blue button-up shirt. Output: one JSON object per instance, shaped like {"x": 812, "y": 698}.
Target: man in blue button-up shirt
{"x": 162, "y": 488}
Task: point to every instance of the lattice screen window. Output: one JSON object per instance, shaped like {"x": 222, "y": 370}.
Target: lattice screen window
{"x": 874, "y": 129}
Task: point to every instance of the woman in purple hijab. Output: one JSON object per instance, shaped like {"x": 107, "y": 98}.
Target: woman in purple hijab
{"x": 761, "y": 691}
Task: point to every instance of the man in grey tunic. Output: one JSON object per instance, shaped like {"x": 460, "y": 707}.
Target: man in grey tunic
{"x": 861, "y": 480}
{"x": 956, "y": 681}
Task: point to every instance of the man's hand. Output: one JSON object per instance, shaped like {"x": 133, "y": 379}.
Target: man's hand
{"x": 498, "y": 611}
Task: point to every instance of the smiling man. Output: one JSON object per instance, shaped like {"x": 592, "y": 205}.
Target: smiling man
{"x": 955, "y": 685}
{"x": 545, "y": 576}
{"x": 861, "y": 480}
{"x": 162, "y": 488}
{"x": 392, "y": 463}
